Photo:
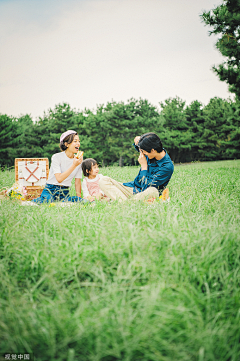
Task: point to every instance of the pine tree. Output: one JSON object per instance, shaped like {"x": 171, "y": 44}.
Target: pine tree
{"x": 195, "y": 121}
{"x": 25, "y": 138}
{"x": 55, "y": 122}
{"x": 7, "y": 139}
{"x": 232, "y": 142}
{"x": 177, "y": 137}
{"x": 108, "y": 135}
{"x": 93, "y": 135}
{"x": 124, "y": 122}
{"x": 217, "y": 127}
{"x": 225, "y": 22}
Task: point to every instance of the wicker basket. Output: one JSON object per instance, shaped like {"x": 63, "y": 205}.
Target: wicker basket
{"x": 32, "y": 173}
{"x": 3, "y": 193}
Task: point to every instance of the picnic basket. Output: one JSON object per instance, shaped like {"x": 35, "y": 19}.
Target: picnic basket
{"x": 32, "y": 173}
{"x": 3, "y": 193}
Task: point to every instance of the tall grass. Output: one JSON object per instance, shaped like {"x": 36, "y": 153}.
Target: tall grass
{"x": 126, "y": 281}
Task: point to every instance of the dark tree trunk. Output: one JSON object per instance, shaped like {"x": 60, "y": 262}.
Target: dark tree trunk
{"x": 121, "y": 162}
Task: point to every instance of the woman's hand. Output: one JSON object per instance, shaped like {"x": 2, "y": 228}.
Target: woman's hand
{"x": 136, "y": 139}
{"x": 142, "y": 161}
{"x": 77, "y": 161}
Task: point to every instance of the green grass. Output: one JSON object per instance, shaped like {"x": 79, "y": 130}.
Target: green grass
{"x": 126, "y": 281}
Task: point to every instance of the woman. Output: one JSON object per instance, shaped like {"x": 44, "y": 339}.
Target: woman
{"x": 64, "y": 167}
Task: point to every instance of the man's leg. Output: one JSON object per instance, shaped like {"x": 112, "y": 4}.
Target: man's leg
{"x": 150, "y": 192}
{"x": 115, "y": 190}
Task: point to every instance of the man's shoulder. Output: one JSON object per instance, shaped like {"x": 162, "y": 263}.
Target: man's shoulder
{"x": 168, "y": 158}
{"x": 166, "y": 162}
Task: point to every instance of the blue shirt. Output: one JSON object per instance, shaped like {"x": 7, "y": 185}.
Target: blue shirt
{"x": 157, "y": 175}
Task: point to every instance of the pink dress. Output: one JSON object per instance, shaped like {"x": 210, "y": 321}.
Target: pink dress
{"x": 91, "y": 186}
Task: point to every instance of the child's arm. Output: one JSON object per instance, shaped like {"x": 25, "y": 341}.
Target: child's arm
{"x": 78, "y": 186}
{"x": 86, "y": 193}
{"x": 85, "y": 189}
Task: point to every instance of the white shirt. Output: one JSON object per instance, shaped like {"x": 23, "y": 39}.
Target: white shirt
{"x": 60, "y": 163}
{"x": 84, "y": 185}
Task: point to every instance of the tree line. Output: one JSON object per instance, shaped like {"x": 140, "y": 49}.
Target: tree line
{"x": 188, "y": 132}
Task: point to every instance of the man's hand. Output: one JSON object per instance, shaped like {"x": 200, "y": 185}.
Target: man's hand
{"x": 136, "y": 140}
{"x": 142, "y": 161}
{"x": 77, "y": 161}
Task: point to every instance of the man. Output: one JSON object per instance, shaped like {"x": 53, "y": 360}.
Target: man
{"x": 153, "y": 177}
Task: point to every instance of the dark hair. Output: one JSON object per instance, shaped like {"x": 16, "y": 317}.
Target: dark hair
{"x": 149, "y": 141}
{"x": 68, "y": 140}
{"x": 87, "y": 166}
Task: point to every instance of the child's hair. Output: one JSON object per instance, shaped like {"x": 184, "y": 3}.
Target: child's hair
{"x": 68, "y": 140}
{"x": 87, "y": 166}
{"x": 149, "y": 141}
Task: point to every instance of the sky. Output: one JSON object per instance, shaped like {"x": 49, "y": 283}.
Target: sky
{"x": 90, "y": 52}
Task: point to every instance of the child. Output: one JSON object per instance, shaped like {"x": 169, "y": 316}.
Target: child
{"x": 91, "y": 190}
{"x": 64, "y": 167}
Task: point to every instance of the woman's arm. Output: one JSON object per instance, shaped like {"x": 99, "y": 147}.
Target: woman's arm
{"x": 60, "y": 177}
{"x": 78, "y": 186}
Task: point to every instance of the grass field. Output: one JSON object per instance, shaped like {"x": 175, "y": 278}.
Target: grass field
{"x": 126, "y": 281}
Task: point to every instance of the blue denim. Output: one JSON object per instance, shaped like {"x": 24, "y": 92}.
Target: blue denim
{"x": 53, "y": 193}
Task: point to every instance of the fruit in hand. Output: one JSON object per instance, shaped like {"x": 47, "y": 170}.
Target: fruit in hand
{"x": 79, "y": 154}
